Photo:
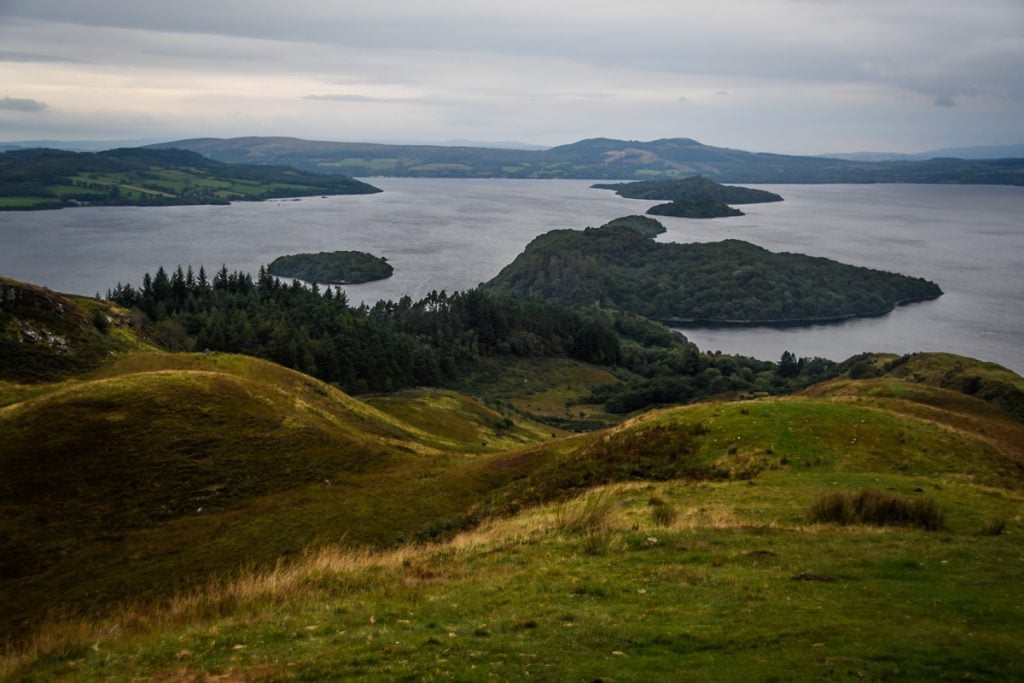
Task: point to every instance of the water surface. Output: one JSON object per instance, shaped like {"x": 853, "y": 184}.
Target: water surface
{"x": 455, "y": 233}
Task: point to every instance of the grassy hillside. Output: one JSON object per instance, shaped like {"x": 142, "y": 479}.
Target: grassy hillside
{"x": 52, "y": 179}
{"x": 46, "y": 336}
{"x": 189, "y": 466}
{"x": 191, "y": 516}
{"x": 723, "y": 577}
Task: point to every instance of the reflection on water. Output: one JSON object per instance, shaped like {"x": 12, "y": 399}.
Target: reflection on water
{"x": 454, "y": 234}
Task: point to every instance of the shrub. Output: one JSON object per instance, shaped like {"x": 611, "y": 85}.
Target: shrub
{"x": 100, "y": 321}
{"x": 591, "y": 518}
{"x": 871, "y": 506}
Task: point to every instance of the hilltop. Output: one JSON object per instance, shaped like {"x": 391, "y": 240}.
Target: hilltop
{"x": 53, "y": 179}
{"x": 723, "y": 282}
{"x": 595, "y": 158}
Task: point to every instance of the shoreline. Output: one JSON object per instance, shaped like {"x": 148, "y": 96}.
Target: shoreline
{"x": 791, "y": 322}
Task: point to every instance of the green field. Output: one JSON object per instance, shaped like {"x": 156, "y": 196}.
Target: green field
{"x": 25, "y": 202}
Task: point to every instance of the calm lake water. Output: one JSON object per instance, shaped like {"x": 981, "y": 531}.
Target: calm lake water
{"x": 454, "y": 234}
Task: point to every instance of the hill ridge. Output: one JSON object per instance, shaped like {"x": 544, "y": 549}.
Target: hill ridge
{"x": 597, "y": 158}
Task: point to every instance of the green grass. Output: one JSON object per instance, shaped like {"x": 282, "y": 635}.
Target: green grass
{"x": 191, "y": 515}
{"x": 454, "y": 421}
{"x": 189, "y": 466}
{"x": 548, "y": 389}
{"x": 24, "y": 202}
{"x": 713, "y": 595}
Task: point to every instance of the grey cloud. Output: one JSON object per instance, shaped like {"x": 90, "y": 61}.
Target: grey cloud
{"x": 31, "y": 57}
{"x": 355, "y": 98}
{"x": 21, "y": 104}
{"x": 730, "y": 42}
{"x": 585, "y": 95}
{"x": 553, "y": 71}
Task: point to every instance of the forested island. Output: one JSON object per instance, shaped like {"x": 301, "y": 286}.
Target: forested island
{"x": 720, "y": 282}
{"x": 55, "y": 179}
{"x": 332, "y": 267}
{"x": 694, "y": 208}
{"x": 694, "y": 197}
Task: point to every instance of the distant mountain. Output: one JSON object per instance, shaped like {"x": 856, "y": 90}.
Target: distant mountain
{"x": 138, "y": 176}
{"x": 78, "y": 145}
{"x": 596, "y": 158}
{"x": 981, "y": 152}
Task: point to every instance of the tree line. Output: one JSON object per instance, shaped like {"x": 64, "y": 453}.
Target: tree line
{"x": 432, "y": 341}
{"x": 380, "y": 348}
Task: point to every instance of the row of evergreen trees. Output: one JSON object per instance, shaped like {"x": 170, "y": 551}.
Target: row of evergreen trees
{"x": 380, "y": 348}
{"x": 393, "y": 345}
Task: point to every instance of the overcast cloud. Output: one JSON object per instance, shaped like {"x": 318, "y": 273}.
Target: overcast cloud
{"x": 798, "y": 76}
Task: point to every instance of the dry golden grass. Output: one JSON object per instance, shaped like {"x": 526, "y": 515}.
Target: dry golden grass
{"x": 301, "y": 579}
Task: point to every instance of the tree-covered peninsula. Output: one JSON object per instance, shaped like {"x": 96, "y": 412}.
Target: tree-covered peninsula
{"x": 54, "y": 179}
{"x": 724, "y": 282}
{"x": 694, "y": 197}
{"x": 332, "y": 267}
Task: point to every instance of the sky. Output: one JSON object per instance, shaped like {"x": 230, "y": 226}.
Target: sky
{"x": 787, "y": 76}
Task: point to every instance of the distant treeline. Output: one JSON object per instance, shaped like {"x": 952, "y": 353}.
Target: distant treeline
{"x": 429, "y": 342}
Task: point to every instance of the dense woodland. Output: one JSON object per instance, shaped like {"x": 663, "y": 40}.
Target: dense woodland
{"x": 431, "y": 342}
{"x": 728, "y": 281}
{"x": 693, "y": 189}
{"x": 694, "y": 208}
{"x": 694, "y": 197}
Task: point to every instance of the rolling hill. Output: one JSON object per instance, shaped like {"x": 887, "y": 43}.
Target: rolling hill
{"x": 53, "y": 179}
{"x": 595, "y": 158}
{"x": 183, "y": 516}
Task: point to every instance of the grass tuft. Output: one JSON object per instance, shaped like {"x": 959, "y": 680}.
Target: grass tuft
{"x": 587, "y": 514}
{"x": 664, "y": 513}
{"x": 590, "y": 517}
{"x": 871, "y": 506}
{"x": 994, "y": 527}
